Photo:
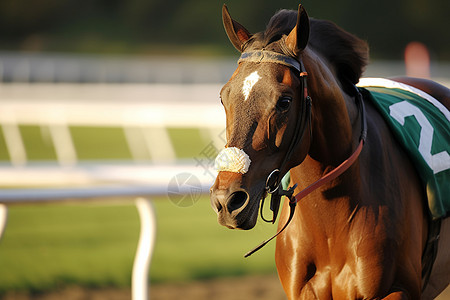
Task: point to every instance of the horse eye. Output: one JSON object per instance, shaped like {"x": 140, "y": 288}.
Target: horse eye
{"x": 284, "y": 103}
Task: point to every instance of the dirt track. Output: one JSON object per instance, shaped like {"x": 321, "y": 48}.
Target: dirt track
{"x": 248, "y": 288}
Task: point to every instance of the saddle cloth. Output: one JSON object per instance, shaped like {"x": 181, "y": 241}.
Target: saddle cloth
{"x": 422, "y": 125}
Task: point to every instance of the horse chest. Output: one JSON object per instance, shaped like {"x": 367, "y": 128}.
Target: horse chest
{"x": 325, "y": 268}
{"x": 307, "y": 280}
{"x": 326, "y": 285}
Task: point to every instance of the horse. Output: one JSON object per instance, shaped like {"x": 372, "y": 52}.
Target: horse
{"x": 292, "y": 106}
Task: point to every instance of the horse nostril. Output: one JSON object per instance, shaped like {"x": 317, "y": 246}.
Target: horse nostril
{"x": 236, "y": 200}
{"x": 218, "y": 206}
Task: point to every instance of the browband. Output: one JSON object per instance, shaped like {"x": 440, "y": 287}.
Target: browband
{"x": 271, "y": 57}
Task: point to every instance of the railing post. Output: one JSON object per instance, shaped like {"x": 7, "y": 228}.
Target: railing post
{"x": 140, "y": 283}
{"x": 159, "y": 136}
{"x": 13, "y": 138}
{"x": 62, "y": 139}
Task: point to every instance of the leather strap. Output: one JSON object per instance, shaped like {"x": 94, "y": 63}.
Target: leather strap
{"x": 269, "y": 56}
{"x": 324, "y": 180}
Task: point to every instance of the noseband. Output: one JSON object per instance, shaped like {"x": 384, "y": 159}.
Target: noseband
{"x": 274, "y": 179}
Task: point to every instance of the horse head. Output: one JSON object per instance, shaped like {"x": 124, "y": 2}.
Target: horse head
{"x": 266, "y": 117}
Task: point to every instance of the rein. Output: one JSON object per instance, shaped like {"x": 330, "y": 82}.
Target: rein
{"x": 273, "y": 180}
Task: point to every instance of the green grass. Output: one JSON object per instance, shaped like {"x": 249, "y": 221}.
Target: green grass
{"x": 49, "y": 246}
{"x": 46, "y": 247}
{"x": 4, "y": 155}
{"x": 193, "y": 245}
{"x": 38, "y": 142}
{"x": 188, "y": 136}
{"x": 100, "y": 143}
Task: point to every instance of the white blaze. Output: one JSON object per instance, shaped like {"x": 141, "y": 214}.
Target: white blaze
{"x": 249, "y": 82}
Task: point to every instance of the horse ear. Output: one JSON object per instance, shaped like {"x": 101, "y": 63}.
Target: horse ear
{"x": 298, "y": 37}
{"x": 237, "y": 33}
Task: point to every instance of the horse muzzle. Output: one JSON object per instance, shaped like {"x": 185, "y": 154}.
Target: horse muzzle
{"x": 232, "y": 203}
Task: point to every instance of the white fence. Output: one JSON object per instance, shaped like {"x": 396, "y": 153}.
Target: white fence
{"x": 145, "y": 122}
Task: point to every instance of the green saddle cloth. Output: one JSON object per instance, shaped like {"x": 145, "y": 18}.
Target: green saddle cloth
{"x": 424, "y": 131}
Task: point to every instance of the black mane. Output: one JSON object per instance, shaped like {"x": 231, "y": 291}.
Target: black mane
{"x": 347, "y": 53}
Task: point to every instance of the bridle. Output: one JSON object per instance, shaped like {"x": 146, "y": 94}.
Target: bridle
{"x": 273, "y": 181}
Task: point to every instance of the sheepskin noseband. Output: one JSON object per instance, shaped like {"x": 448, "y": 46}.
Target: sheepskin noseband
{"x": 232, "y": 159}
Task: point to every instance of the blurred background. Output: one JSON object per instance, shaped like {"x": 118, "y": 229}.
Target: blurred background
{"x": 89, "y": 85}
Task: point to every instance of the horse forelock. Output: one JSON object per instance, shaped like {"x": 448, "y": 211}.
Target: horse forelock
{"x": 280, "y": 24}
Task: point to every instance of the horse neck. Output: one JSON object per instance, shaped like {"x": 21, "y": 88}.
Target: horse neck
{"x": 334, "y": 114}
{"x": 335, "y": 134}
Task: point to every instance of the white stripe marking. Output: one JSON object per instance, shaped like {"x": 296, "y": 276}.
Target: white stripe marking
{"x": 248, "y": 84}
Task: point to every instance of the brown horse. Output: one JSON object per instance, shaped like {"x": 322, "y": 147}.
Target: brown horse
{"x": 361, "y": 235}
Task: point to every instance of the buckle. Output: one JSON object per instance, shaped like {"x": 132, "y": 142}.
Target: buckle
{"x": 272, "y": 181}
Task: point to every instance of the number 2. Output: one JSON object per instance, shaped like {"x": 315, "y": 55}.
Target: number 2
{"x": 438, "y": 162}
